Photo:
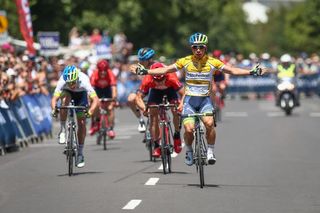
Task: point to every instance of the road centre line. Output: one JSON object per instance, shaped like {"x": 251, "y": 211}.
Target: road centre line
{"x": 132, "y": 204}
{"x": 152, "y": 181}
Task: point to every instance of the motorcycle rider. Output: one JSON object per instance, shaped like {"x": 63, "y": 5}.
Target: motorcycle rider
{"x": 287, "y": 69}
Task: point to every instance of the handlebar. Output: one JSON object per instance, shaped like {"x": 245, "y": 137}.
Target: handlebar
{"x": 197, "y": 114}
{"x": 162, "y": 105}
{"x": 72, "y": 107}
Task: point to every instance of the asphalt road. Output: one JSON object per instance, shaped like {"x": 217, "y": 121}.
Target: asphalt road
{"x": 266, "y": 163}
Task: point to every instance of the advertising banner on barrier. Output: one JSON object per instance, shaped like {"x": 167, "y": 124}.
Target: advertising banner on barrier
{"x": 45, "y": 107}
{"x": 21, "y": 115}
{"x": 35, "y": 113}
{"x": 9, "y": 130}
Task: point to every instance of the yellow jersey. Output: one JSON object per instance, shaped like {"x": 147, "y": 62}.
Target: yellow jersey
{"x": 198, "y": 73}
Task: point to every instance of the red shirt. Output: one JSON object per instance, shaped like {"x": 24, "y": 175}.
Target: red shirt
{"x": 170, "y": 80}
{"x": 108, "y": 81}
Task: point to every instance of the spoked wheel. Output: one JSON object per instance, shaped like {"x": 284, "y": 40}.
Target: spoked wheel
{"x": 70, "y": 161}
{"x": 69, "y": 153}
{"x": 169, "y": 159}
{"x": 164, "y": 159}
{"x": 150, "y": 150}
{"x": 165, "y": 151}
{"x": 200, "y": 164}
{"x": 104, "y": 136}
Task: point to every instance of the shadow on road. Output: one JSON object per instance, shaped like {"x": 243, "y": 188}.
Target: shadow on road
{"x": 80, "y": 173}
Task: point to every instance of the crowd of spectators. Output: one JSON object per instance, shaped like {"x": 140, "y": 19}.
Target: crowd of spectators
{"x": 21, "y": 74}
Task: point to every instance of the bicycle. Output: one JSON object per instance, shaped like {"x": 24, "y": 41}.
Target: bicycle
{"x": 72, "y": 145}
{"x": 199, "y": 145}
{"x": 166, "y": 133}
{"x": 104, "y": 123}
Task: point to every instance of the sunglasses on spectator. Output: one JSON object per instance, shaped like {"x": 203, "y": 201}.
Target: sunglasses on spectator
{"x": 201, "y": 47}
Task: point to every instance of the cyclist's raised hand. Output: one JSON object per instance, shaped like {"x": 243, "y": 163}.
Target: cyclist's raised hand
{"x": 54, "y": 113}
{"x": 138, "y": 69}
{"x": 88, "y": 114}
{"x": 258, "y": 71}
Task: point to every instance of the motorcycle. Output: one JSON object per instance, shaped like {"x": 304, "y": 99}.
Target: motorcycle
{"x": 287, "y": 95}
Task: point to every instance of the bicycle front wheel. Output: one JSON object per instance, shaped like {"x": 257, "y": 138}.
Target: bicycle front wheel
{"x": 200, "y": 162}
{"x": 104, "y": 133}
{"x": 165, "y": 151}
{"x": 69, "y": 153}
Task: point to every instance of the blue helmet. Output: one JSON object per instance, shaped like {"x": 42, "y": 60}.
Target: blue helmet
{"x": 70, "y": 73}
{"x": 145, "y": 53}
{"x": 198, "y": 38}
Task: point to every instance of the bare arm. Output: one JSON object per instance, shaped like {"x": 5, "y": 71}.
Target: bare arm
{"x": 114, "y": 92}
{"x": 157, "y": 71}
{"x": 139, "y": 101}
{"x": 94, "y": 105}
{"x": 239, "y": 71}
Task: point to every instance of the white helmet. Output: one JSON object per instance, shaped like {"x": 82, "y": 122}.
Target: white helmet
{"x": 286, "y": 58}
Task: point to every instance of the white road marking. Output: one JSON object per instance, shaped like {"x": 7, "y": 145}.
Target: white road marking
{"x": 173, "y": 155}
{"x": 315, "y": 114}
{"x": 132, "y": 204}
{"x": 236, "y": 114}
{"x": 275, "y": 114}
{"x": 161, "y": 167}
{"x": 152, "y": 181}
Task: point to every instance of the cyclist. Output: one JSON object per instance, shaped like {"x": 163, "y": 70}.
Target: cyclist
{"x": 157, "y": 86}
{"x": 145, "y": 56}
{"x": 74, "y": 85}
{"x": 198, "y": 69}
{"x": 105, "y": 84}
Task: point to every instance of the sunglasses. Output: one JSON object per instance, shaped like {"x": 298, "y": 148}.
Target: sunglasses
{"x": 201, "y": 47}
{"x": 71, "y": 83}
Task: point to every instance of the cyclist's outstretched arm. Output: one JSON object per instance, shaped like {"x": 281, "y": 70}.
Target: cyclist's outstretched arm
{"x": 157, "y": 71}
{"x": 239, "y": 71}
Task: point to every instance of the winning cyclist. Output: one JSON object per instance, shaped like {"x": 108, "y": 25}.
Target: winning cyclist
{"x": 198, "y": 70}
{"x": 145, "y": 56}
{"x": 105, "y": 84}
{"x": 74, "y": 85}
{"x": 157, "y": 86}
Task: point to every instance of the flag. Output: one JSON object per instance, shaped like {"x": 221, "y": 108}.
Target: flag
{"x": 25, "y": 23}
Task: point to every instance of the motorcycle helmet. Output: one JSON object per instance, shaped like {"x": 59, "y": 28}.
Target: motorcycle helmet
{"x": 286, "y": 58}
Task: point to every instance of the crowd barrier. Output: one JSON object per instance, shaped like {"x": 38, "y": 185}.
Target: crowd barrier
{"x": 240, "y": 85}
{"x": 263, "y": 84}
{"x": 24, "y": 120}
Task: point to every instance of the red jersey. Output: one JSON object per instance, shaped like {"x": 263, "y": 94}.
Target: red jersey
{"x": 170, "y": 80}
{"x": 108, "y": 81}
